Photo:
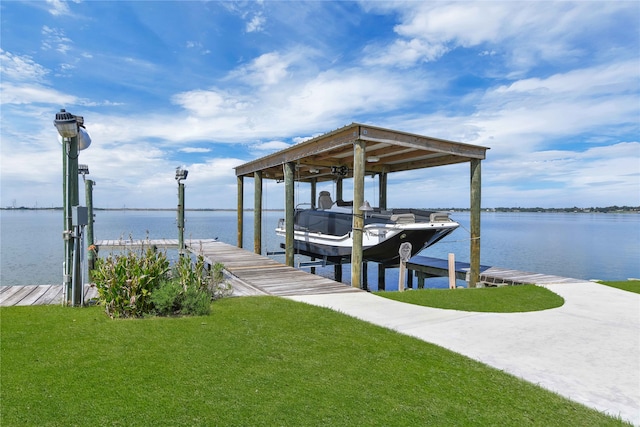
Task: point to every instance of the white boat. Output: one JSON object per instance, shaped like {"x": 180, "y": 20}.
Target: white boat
{"x": 327, "y": 232}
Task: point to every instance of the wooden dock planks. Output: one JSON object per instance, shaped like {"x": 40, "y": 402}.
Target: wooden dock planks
{"x": 266, "y": 276}
{"x": 496, "y": 275}
{"x": 436, "y": 267}
{"x": 38, "y": 295}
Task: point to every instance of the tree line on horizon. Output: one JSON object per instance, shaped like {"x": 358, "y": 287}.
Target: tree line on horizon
{"x": 574, "y": 209}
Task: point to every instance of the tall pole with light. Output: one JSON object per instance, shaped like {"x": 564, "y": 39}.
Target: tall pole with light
{"x": 74, "y": 139}
{"x": 181, "y": 175}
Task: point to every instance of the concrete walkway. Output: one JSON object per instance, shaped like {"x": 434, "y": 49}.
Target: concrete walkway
{"x": 588, "y": 350}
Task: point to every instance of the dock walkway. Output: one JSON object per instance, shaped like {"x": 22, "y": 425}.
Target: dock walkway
{"x": 38, "y": 294}
{"x": 426, "y": 267}
{"x": 248, "y": 273}
{"x": 254, "y": 274}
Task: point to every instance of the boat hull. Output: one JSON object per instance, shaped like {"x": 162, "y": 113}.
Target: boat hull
{"x": 381, "y": 240}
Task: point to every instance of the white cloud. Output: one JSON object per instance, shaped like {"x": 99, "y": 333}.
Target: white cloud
{"x": 194, "y": 150}
{"x": 20, "y": 68}
{"x": 266, "y": 70}
{"x": 55, "y": 39}
{"x": 256, "y": 24}
{"x": 528, "y": 32}
{"x": 58, "y": 7}
{"x": 27, "y": 94}
{"x": 270, "y": 146}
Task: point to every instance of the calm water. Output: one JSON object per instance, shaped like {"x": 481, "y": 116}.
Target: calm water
{"x": 585, "y": 246}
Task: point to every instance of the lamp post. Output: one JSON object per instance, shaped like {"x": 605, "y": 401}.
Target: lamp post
{"x": 74, "y": 139}
{"x": 181, "y": 175}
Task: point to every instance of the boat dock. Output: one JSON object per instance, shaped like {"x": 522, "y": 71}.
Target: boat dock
{"x": 38, "y": 294}
{"x": 253, "y": 274}
{"x": 122, "y": 244}
{"x": 248, "y": 273}
{"x": 426, "y": 267}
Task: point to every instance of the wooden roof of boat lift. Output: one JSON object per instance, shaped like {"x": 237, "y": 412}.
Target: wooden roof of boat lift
{"x": 354, "y": 151}
{"x": 386, "y": 151}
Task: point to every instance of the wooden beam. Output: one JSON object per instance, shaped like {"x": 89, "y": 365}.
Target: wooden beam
{"x": 474, "y": 270}
{"x": 378, "y": 135}
{"x": 428, "y": 163}
{"x": 257, "y": 212}
{"x": 358, "y": 219}
{"x": 240, "y": 210}
{"x": 289, "y": 173}
{"x": 336, "y": 139}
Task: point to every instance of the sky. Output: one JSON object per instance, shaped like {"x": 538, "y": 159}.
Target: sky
{"x": 552, "y": 88}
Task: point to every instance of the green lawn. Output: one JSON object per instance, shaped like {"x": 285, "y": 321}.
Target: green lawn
{"x": 253, "y": 361}
{"x": 627, "y": 285}
{"x": 504, "y": 299}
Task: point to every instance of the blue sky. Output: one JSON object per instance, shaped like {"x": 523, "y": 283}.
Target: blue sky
{"x": 553, "y": 88}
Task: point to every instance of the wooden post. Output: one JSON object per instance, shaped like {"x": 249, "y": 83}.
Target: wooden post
{"x": 289, "y": 170}
{"x": 381, "y": 277}
{"x": 180, "y": 218}
{"x": 337, "y": 272}
{"x": 382, "y": 197}
{"x": 405, "y": 253}
{"x": 71, "y": 198}
{"x": 313, "y": 192}
{"x": 240, "y": 210}
{"x": 403, "y": 268}
{"x": 452, "y": 271}
{"x": 365, "y": 275}
{"x": 474, "y": 271}
{"x": 91, "y": 253}
{"x": 313, "y": 206}
{"x": 339, "y": 195}
{"x": 257, "y": 213}
{"x": 358, "y": 219}
{"x": 382, "y": 190}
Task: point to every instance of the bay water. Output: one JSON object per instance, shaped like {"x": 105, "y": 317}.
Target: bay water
{"x": 579, "y": 245}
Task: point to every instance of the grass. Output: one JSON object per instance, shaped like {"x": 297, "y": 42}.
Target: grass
{"x": 628, "y": 285}
{"x": 253, "y": 361}
{"x": 505, "y": 299}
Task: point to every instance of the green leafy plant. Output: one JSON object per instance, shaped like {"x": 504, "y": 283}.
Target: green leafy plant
{"x": 126, "y": 281}
{"x": 141, "y": 282}
{"x": 191, "y": 289}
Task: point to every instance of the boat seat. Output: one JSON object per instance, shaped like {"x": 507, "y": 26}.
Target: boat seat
{"x": 324, "y": 200}
{"x": 404, "y": 218}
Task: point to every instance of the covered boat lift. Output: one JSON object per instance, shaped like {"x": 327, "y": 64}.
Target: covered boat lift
{"x": 357, "y": 150}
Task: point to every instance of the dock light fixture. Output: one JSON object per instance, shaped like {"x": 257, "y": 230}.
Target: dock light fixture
{"x": 373, "y": 159}
{"x": 74, "y": 138}
{"x": 67, "y": 124}
{"x": 83, "y": 170}
{"x": 181, "y": 174}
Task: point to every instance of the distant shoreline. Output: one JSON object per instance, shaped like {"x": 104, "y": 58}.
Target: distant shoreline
{"x": 608, "y": 209}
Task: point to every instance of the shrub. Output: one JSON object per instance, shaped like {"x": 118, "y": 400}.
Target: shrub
{"x": 139, "y": 283}
{"x": 167, "y": 298}
{"x": 196, "y": 302}
{"x": 125, "y": 282}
